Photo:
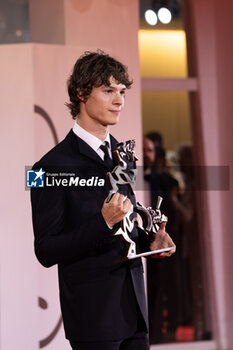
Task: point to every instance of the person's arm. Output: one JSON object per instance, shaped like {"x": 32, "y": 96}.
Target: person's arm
{"x": 55, "y": 241}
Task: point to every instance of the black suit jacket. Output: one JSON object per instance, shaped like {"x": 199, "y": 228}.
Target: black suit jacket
{"x": 97, "y": 292}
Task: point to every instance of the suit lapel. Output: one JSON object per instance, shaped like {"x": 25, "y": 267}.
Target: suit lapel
{"x": 87, "y": 151}
{"x": 84, "y": 149}
{"x": 114, "y": 143}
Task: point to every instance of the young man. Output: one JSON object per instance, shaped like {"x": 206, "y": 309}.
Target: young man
{"x": 102, "y": 298}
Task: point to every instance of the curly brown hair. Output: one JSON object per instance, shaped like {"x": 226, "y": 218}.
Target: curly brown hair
{"x": 93, "y": 69}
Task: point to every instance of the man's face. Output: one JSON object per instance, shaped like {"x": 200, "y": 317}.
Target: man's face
{"x": 105, "y": 103}
{"x": 148, "y": 153}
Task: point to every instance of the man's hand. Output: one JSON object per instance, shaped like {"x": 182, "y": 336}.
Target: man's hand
{"x": 115, "y": 210}
{"x": 162, "y": 240}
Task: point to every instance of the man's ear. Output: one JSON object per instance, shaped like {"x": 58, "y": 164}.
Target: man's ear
{"x": 80, "y": 96}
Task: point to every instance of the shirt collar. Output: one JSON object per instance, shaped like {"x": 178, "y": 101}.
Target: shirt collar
{"x": 90, "y": 139}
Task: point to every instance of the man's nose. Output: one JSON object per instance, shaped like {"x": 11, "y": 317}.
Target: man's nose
{"x": 118, "y": 99}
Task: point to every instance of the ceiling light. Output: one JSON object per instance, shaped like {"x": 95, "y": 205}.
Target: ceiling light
{"x": 151, "y": 17}
{"x": 164, "y": 15}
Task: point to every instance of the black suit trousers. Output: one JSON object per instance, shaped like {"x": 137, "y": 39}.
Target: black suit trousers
{"x": 139, "y": 341}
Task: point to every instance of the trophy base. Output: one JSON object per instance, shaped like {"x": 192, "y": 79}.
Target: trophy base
{"x": 151, "y": 252}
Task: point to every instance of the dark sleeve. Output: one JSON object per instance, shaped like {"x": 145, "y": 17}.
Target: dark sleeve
{"x": 55, "y": 240}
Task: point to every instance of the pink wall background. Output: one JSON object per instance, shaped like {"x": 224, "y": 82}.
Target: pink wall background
{"x": 224, "y": 38}
{"x": 212, "y": 32}
{"x": 18, "y": 296}
{"x": 36, "y": 74}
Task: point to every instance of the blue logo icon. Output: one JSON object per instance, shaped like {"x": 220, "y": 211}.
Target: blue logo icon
{"x": 35, "y": 178}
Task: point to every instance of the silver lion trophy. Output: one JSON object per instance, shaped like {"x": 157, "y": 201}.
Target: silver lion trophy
{"x": 147, "y": 219}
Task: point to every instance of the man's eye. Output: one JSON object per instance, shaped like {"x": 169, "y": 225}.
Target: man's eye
{"x": 108, "y": 91}
{"x": 123, "y": 93}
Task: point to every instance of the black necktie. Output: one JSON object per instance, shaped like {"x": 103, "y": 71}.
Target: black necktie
{"x": 107, "y": 159}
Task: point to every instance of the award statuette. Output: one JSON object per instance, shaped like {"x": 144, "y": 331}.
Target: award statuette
{"x": 147, "y": 219}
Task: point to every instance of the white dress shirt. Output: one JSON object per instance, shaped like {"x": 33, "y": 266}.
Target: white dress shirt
{"x": 92, "y": 140}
